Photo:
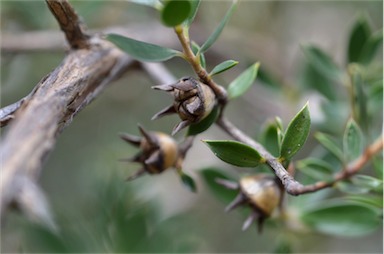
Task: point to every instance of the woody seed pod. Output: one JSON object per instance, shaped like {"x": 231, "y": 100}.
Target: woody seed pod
{"x": 260, "y": 192}
{"x": 158, "y": 152}
{"x": 193, "y": 101}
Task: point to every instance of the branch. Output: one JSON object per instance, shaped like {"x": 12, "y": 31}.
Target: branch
{"x": 291, "y": 186}
{"x": 50, "y": 107}
{"x": 69, "y": 23}
{"x": 349, "y": 170}
{"x": 59, "y": 96}
{"x": 8, "y": 113}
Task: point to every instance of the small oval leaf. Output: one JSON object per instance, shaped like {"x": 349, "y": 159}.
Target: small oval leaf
{"x": 330, "y": 145}
{"x": 316, "y": 169}
{"x": 213, "y": 37}
{"x": 175, "y": 12}
{"x": 369, "y": 182}
{"x": 235, "y": 153}
{"x": 296, "y": 134}
{"x": 371, "y": 200}
{"x": 243, "y": 82}
{"x": 322, "y": 62}
{"x": 312, "y": 79}
{"x": 352, "y": 141}
{"x": 360, "y": 96}
{"x": 371, "y": 46}
{"x": 350, "y": 188}
{"x": 204, "y": 124}
{"x": 358, "y": 37}
{"x": 342, "y": 219}
{"x": 270, "y": 138}
{"x": 188, "y": 182}
{"x": 142, "y": 51}
{"x": 223, "y": 67}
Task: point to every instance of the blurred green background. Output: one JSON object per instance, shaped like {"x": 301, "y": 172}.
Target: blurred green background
{"x": 84, "y": 181}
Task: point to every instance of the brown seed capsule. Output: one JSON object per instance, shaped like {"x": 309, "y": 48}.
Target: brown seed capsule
{"x": 261, "y": 192}
{"x": 193, "y": 101}
{"x": 158, "y": 152}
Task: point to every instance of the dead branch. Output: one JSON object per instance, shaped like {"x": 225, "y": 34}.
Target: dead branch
{"x": 41, "y": 116}
{"x": 59, "y": 96}
{"x": 69, "y": 23}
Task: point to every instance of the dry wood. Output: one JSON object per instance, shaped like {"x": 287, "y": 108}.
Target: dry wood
{"x": 88, "y": 68}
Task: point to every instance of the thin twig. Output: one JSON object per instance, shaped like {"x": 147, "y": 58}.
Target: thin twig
{"x": 349, "y": 170}
{"x": 70, "y": 24}
{"x": 290, "y": 184}
{"x": 220, "y": 92}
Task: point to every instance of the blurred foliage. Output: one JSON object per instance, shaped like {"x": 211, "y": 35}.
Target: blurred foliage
{"x": 97, "y": 211}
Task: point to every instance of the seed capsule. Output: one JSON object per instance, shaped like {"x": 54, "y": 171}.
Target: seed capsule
{"x": 193, "y": 101}
{"x": 261, "y": 192}
{"x": 158, "y": 152}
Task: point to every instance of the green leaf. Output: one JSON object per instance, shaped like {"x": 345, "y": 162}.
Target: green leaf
{"x": 235, "y": 153}
{"x": 267, "y": 78}
{"x": 210, "y": 175}
{"x": 360, "y": 97}
{"x": 188, "y": 182}
{"x": 377, "y": 162}
{"x": 194, "y": 8}
{"x": 204, "y": 124}
{"x": 223, "y": 67}
{"x": 358, "y": 37}
{"x": 330, "y": 145}
{"x": 142, "y": 51}
{"x": 322, "y": 62}
{"x": 279, "y": 123}
{"x": 350, "y": 188}
{"x": 296, "y": 134}
{"x": 270, "y": 138}
{"x": 213, "y": 37}
{"x": 352, "y": 141}
{"x": 175, "y": 12}
{"x": 374, "y": 201}
{"x": 342, "y": 219}
{"x": 334, "y": 115}
{"x": 369, "y": 182}
{"x": 42, "y": 240}
{"x": 375, "y": 95}
{"x": 316, "y": 168}
{"x": 370, "y": 47}
{"x": 243, "y": 82}
{"x": 311, "y": 78}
